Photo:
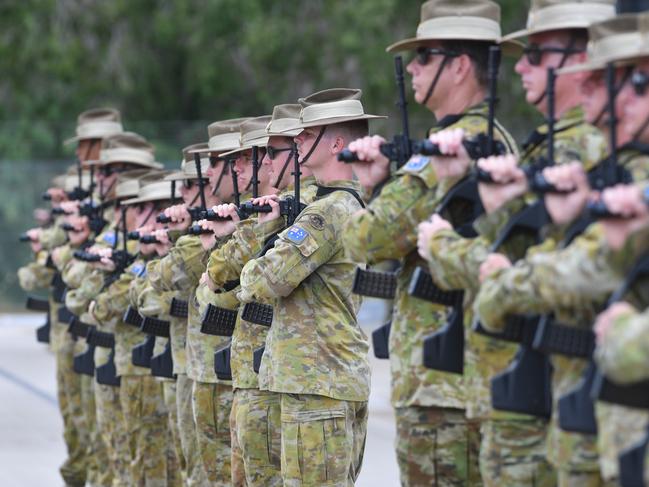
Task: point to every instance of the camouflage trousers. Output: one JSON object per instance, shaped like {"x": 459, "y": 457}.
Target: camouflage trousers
{"x": 437, "y": 447}
{"x": 177, "y": 459}
{"x": 98, "y": 474}
{"x": 212, "y": 404}
{"x": 110, "y": 424}
{"x": 75, "y": 429}
{"x": 322, "y": 440}
{"x": 196, "y": 475}
{"x": 513, "y": 454}
{"x": 145, "y": 417}
{"x": 255, "y": 429}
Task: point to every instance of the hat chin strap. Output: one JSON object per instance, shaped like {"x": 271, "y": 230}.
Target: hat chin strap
{"x": 315, "y": 144}
{"x": 103, "y": 194}
{"x": 564, "y": 58}
{"x": 283, "y": 171}
{"x": 218, "y": 183}
{"x": 191, "y": 203}
{"x": 438, "y": 75}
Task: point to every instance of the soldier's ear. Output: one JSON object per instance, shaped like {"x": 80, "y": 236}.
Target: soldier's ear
{"x": 337, "y": 144}
{"x": 461, "y": 67}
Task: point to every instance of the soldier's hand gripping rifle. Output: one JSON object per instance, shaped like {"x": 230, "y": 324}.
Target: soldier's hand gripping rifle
{"x": 196, "y": 212}
{"x": 610, "y": 172}
{"x": 402, "y": 147}
{"x": 525, "y": 386}
{"x": 289, "y": 207}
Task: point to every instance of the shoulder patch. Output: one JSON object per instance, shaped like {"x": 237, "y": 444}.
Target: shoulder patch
{"x": 109, "y": 238}
{"x": 317, "y": 222}
{"x": 296, "y": 234}
{"x": 138, "y": 270}
{"x": 416, "y": 163}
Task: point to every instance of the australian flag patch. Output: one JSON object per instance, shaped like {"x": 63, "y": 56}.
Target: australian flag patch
{"x": 138, "y": 270}
{"x": 296, "y": 234}
{"x": 416, "y": 163}
{"x": 109, "y": 238}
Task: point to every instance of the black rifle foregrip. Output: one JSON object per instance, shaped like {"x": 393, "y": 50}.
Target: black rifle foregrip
{"x": 198, "y": 230}
{"x": 149, "y": 239}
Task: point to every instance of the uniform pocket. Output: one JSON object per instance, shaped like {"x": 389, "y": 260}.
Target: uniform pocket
{"x": 316, "y": 446}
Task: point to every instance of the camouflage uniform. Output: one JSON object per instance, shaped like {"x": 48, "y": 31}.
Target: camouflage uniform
{"x": 573, "y": 291}
{"x": 255, "y": 416}
{"x": 388, "y": 230}
{"x": 83, "y": 283}
{"x": 75, "y": 430}
{"x": 316, "y": 354}
{"x": 513, "y": 445}
{"x": 180, "y": 270}
{"x": 154, "y": 304}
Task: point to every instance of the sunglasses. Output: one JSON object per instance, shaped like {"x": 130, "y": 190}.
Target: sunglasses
{"x": 534, "y": 53}
{"x": 273, "y": 152}
{"x": 110, "y": 170}
{"x": 189, "y": 183}
{"x": 639, "y": 81}
{"x": 215, "y": 160}
{"x": 423, "y": 54}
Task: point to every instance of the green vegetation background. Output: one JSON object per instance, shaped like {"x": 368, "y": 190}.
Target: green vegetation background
{"x": 174, "y": 66}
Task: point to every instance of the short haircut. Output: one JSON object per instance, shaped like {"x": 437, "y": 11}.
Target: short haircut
{"x": 478, "y": 52}
{"x": 351, "y": 130}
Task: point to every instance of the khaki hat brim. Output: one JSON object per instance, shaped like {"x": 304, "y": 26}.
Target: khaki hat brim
{"x": 510, "y": 47}
{"x": 583, "y": 67}
{"x": 176, "y": 176}
{"x": 262, "y": 142}
{"x": 208, "y": 151}
{"x": 96, "y": 163}
{"x": 337, "y": 120}
{"x": 288, "y": 133}
{"x": 146, "y": 199}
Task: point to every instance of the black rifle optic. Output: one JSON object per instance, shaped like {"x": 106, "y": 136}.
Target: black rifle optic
{"x": 24, "y": 238}
{"x": 69, "y": 227}
{"x": 59, "y": 211}
{"x": 145, "y": 239}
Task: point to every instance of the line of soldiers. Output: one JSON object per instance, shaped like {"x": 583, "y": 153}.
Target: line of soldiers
{"x": 214, "y": 341}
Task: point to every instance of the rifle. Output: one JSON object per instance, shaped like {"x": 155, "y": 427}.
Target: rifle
{"x": 196, "y": 212}
{"x": 525, "y": 386}
{"x": 610, "y": 172}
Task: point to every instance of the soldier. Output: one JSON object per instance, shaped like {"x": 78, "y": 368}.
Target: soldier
{"x": 582, "y": 282}
{"x": 456, "y": 262}
{"x": 185, "y": 429}
{"x": 92, "y": 126}
{"x": 180, "y": 270}
{"x": 118, "y": 153}
{"x": 254, "y": 419}
{"x": 435, "y": 441}
{"x": 212, "y": 393}
{"x": 322, "y": 387}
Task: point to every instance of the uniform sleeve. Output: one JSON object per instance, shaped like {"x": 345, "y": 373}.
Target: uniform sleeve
{"x": 52, "y": 237}
{"x": 456, "y": 261}
{"x": 226, "y": 262}
{"x": 298, "y": 252}
{"x": 113, "y": 302}
{"x": 386, "y": 229}
{"x": 77, "y": 300}
{"x": 35, "y": 275}
{"x": 577, "y": 277}
{"x": 624, "y": 355}
{"x": 181, "y": 268}
{"x": 153, "y": 303}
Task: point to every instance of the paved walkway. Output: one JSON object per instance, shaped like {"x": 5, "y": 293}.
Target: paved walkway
{"x": 31, "y": 444}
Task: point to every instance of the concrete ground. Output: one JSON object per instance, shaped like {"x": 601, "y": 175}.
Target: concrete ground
{"x": 31, "y": 444}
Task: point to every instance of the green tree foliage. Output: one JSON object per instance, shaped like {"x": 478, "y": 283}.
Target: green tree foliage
{"x": 173, "y": 66}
